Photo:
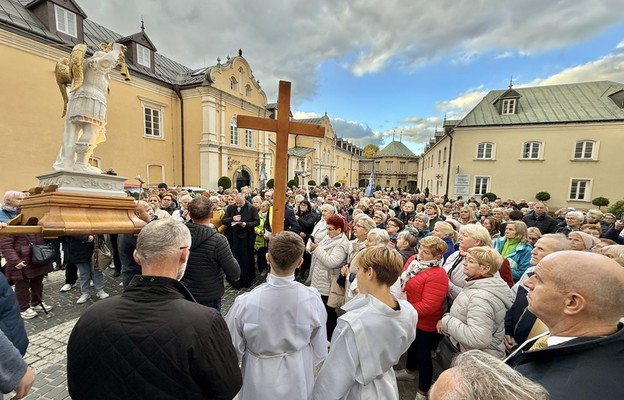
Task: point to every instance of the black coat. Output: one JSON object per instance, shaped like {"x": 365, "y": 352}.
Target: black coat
{"x": 519, "y": 320}
{"x": 290, "y": 222}
{"x": 152, "y": 342}
{"x": 77, "y": 249}
{"x": 545, "y": 223}
{"x": 580, "y": 369}
{"x": 209, "y": 259}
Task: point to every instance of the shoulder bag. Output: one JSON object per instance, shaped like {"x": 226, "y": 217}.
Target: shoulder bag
{"x": 41, "y": 253}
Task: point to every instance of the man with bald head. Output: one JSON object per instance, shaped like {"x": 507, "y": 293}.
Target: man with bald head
{"x": 127, "y": 244}
{"x": 579, "y": 297}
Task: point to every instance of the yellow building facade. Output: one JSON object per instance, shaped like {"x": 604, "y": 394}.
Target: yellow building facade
{"x": 564, "y": 139}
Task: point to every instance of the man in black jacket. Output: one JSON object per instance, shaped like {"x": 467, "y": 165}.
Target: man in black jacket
{"x": 210, "y": 257}
{"x": 540, "y": 219}
{"x": 153, "y": 341}
{"x": 240, "y": 220}
{"x": 578, "y": 296}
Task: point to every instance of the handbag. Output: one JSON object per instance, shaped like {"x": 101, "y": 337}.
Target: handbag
{"x": 41, "y": 253}
{"x": 336, "y": 298}
{"x": 446, "y": 352}
{"x": 102, "y": 255}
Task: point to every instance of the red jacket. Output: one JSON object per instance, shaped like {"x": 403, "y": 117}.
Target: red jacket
{"x": 426, "y": 291}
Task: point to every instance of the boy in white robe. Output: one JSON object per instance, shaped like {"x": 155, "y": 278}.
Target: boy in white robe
{"x": 278, "y": 329}
{"x": 370, "y": 338}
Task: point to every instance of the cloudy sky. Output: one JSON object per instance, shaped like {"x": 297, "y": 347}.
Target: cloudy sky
{"x": 384, "y": 68}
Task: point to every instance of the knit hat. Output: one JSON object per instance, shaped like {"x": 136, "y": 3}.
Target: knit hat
{"x": 589, "y": 240}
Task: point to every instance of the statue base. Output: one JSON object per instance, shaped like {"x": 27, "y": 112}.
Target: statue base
{"x": 84, "y": 183}
{"x": 57, "y": 214}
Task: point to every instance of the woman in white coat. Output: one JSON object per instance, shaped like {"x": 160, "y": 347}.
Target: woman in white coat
{"x": 370, "y": 338}
{"x": 328, "y": 256}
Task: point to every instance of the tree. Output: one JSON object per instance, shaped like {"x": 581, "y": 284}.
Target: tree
{"x": 337, "y": 184}
{"x": 600, "y": 202}
{"x": 490, "y": 196}
{"x": 370, "y": 150}
{"x": 270, "y": 183}
{"x": 224, "y": 182}
{"x": 542, "y": 196}
{"x": 617, "y": 209}
{"x": 311, "y": 183}
{"x": 291, "y": 183}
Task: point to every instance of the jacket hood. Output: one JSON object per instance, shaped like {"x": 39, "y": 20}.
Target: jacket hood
{"x": 199, "y": 234}
{"x": 496, "y": 286}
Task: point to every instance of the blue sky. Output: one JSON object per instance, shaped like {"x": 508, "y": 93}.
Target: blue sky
{"x": 378, "y": 68}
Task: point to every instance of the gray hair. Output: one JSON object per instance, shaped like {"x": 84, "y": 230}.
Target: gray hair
{"x": 559, "y": 241}
{"x": 161, "y": 239}
{"x": 478, "y": 375}
{"x": 381, "y": 235}
{"x": 367, "y": 222}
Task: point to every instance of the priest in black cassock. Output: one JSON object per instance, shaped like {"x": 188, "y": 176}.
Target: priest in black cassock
{"x": 240, "y": 220}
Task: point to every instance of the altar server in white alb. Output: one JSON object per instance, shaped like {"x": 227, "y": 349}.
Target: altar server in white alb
{"x": 278, "y": 329}
{"x": 370, "y": 338}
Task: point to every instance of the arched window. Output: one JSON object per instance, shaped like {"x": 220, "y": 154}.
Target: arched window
{"x": 532, "y": 151}
{"x": 585, "y": 150}
{"x": 247, "y": 90}
{"x": 233, "y": 83}
{"x": 233, "y": 132}
{"x": 485, "y": 151}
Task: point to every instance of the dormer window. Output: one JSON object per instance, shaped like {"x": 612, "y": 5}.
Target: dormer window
{"x": 509, "y": 106}
{"x": 65, "y": 21}
{"x": 144, "y": 56}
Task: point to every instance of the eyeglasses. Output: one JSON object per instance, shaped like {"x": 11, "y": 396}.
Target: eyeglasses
{"x": 389, "y": 224}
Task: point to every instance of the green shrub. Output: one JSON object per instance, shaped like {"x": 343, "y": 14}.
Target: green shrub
{"x": 311, "y": 183}
{"x": 542, "y": 196}
{"x": 292, "y": 183}
{"x": 270, "y": 183}
{"x": 337, "y": 184}
{"x": 224, "y": 182}
{"x": 490, "y": 196}
{"x": 617, "y": 209}
{"x": 600, "y": 202}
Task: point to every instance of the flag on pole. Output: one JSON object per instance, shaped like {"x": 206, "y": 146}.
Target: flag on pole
{"x": 371, "y": 181}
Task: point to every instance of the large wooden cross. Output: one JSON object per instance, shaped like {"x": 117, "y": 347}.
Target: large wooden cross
{"x": 283, "y": 126}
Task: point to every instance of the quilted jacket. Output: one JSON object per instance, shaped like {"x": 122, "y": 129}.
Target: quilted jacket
{"x": 152, "y": 342}
{"x": 477, "y": 317}
{"x": 426, "y": 291}
{"x": 209, "y": 259}
{"x": 327, "y": 259}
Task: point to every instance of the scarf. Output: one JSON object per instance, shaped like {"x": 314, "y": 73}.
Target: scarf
{"x": 416, "y": 267}
{"x": 509, "y": 246}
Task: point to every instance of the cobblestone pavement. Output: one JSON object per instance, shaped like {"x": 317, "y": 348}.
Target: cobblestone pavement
{"x": 48, "y": 335}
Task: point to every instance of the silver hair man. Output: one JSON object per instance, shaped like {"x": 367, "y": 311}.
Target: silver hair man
{"x": 475, "y": 375}
{"x": 163, "y": 248}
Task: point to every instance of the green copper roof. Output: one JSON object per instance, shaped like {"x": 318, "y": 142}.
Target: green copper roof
{"x": 578, "y": 102}
{"x": 395, "y": 149}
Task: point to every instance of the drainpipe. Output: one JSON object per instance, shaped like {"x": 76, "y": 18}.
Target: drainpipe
{"x": 176, "y": 89}
{"x": 448, "y": 168}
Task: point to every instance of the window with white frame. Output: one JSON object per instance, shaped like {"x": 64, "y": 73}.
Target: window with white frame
{"x": 509, "y": 106}
{"x": 65, "y": 21}
{"x": 532, "y": 151}
{"x": 388, "y": 166}
{"x": 485, "y": 151}
{"x": 482, "y": 185}
{"x": 144, "y": 56}
{"x": 584, "y": 150}
{"x": 248, "y": 138}
{"x": 152, "y": 122}
{"x": 580, "y": 189}
{"x": 233, "y": 132}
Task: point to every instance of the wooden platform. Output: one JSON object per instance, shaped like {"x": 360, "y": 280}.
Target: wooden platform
{"x": 60, "y": 213}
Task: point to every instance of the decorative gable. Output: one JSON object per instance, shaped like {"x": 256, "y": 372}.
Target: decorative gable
{"x": 508, "y": 103}
{"x": 140, "y": 49}
{"x": 63, "y": 17}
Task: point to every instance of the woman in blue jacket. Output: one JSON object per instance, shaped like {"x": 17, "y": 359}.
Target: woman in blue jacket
{"x": 515, "y": 247}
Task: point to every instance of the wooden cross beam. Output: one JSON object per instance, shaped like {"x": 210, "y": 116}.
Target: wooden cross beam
{"x": 283, "y": 126}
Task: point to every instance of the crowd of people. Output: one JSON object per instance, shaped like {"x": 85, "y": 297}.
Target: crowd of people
{"x": 502, "y": 289}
